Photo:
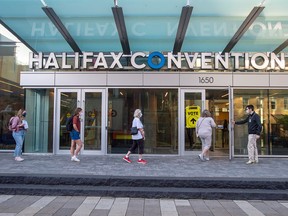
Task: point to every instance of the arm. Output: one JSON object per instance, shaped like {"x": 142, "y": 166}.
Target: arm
{"x": 259, "y": 128}
{"x": 242, "y": 121}
{"x": 75, "y": 123}
{"x": 212, "y": 122}
{"x": 142, "y": 133}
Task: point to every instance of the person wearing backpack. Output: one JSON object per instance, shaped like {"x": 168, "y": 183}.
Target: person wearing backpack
{"x": 76, "y": 143}
{"x": 18, "y": 134}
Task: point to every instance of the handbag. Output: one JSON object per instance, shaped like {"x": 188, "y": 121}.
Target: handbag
{"x": 134, "y": 130}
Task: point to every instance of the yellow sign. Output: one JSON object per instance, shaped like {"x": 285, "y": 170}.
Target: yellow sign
{"x": 192, "y": 115}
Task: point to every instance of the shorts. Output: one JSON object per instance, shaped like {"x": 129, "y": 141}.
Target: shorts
{"x": 75, "y": 135}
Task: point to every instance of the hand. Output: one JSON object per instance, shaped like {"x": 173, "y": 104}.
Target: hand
{"x": 257, "y": 136}
{"x": 233, "y": 122}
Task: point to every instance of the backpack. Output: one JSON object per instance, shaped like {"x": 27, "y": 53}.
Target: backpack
{"x": 10, "y": 124}
{"x": 69, "y": 123}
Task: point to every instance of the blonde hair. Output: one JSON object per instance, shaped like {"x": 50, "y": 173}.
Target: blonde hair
{"x": 137, "y": 113}
{"x": 19, "y": 113}
{"x": 206, "y": 113}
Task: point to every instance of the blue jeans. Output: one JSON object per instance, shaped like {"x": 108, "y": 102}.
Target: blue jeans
{"x": 19, "y": 139}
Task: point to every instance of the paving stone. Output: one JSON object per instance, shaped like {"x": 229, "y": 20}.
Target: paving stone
{"x": 119, "y": 207}
{"x": 64, "y": 211}
{"x": 152, "y": 207}
{"x": 232, "y": 208}
{"x": 248, "y": 208}
{"x": 36, "y": 206}
{"x": 11, "y": 202}
{"x": 279, "y": 208}
{"x": 100, "y": 212}
{"x": 185, "y": 211}
{"x": 105, "y": 203}
{"x": 266, "y": 210}
{"x": 24, "y": 203}
{"x": 200, "y": 207}
{"x": 216, "y": 208}
{"x": 53, "y": 206}
{"x": 87, "y": 206}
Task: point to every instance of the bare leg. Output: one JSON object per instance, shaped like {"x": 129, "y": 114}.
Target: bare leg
{"x": 72, "y": 149}
{"x": 78, "y": 146}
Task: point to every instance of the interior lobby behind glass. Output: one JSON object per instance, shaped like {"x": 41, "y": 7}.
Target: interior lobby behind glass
{"x": 11, "y": 94}
{"x": 272, "y": 107}
{"x": 160, "y": 119}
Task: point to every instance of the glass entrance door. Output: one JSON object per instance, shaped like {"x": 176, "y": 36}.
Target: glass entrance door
{"x": 92, "y": 125}
{"x": 192, "y": 104}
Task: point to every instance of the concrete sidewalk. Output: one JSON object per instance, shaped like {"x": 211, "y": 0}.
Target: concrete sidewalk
{"x": 157, "y": 166}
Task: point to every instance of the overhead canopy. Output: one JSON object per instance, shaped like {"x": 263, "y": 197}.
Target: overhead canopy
{"x": 150, "y": 25}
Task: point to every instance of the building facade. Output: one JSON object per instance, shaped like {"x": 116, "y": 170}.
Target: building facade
{"x": 170, "y": 60}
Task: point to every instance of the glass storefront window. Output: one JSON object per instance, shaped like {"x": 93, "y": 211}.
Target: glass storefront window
{"x": 40, "y": 109}
{"x": 11, "y": 94}
{"x": 160, "y": 119}
{"x": 270, "y": 105}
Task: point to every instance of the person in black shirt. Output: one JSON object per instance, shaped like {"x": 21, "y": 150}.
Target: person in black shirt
{"x": 254, "y": 130}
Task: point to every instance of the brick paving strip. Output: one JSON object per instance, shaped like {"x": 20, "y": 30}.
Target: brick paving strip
{"x": 108, "y": 206}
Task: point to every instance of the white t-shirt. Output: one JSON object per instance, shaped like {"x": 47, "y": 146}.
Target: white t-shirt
{"x": 25, "y": 124}
{"x": 137, "y": 123}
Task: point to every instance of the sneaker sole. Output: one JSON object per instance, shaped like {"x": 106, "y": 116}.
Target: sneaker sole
{"x": 142, "y": 162}
{"x": 127, "y": 160}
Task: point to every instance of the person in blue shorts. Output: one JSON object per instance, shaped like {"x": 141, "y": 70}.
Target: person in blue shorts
{"x": 76, "y": 143}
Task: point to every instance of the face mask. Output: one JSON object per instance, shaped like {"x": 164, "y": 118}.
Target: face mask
{"x": 81, "y": 115}
{"x": 140, "y": 115}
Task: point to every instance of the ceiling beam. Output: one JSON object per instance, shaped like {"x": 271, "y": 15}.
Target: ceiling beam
{"x": 182, "y": 28}
{"x": 243, "y": 28}
{"x": 18, "y": 37}
{"x": 121, "y": 28}
{"x": 281, "y": 47}
{"x": 61, "y": 28}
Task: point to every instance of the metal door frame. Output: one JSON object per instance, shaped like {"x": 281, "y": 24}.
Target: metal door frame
{"x": 181, "y": 150}
{"x": 80, "y": 103}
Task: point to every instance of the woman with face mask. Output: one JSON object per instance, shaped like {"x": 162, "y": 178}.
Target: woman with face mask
{"x": 138, "y": 139}
{"x": 76, "y": 143}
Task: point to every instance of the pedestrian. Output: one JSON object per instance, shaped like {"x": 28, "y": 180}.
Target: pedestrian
{"x": 76, "y": 143}
{"x": 204, "y": 131}
{"x": 25, "y": 123}
{"x": 18, "y": 134}
{"x": 138, "y": 139}
{"x": 224, "y": 133}
{"x": 254, "y": 130}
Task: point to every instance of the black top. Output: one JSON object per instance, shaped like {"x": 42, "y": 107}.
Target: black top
{"x": 254, "y": 124}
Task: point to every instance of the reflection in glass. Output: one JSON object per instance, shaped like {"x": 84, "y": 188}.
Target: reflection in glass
{"x": 68, "y": 105}
{"x": 40, "y": 109}
{"x": 93, "y": 113}
{"x": 160, "y": 119}
{"x": 270, "y": 105}
{"x": 193, "y": 103}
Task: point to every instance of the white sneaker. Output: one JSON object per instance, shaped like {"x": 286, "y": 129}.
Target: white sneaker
{"x": 207, "y": 159}
{"x": 250, "y": 162}
{"x": 74, "y": 158}
{"x": 19, "y": 159}
{"x": 200, "y": 156}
